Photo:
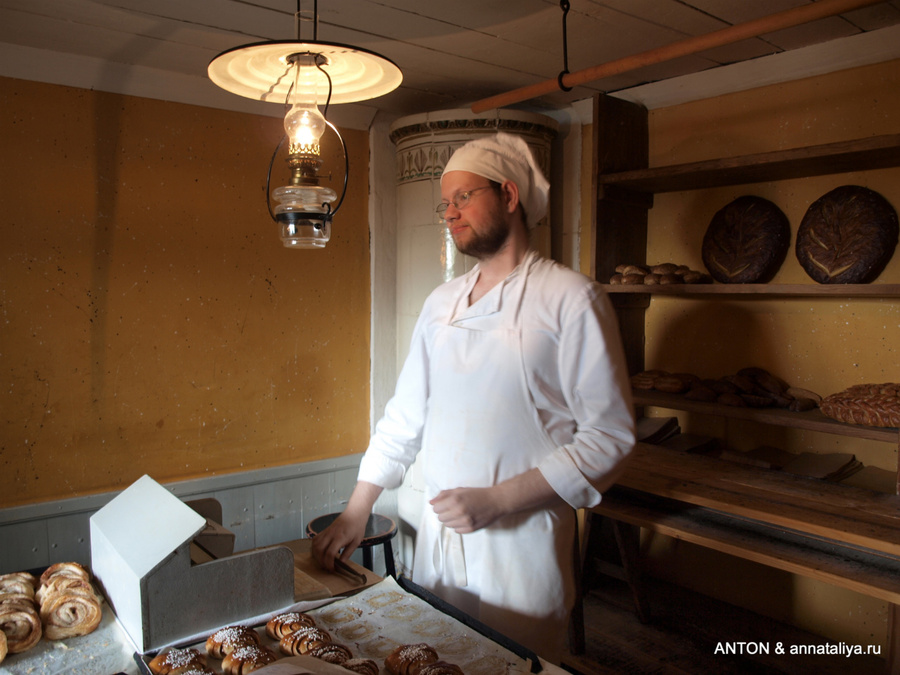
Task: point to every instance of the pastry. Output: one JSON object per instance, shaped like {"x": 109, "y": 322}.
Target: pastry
{"x": 331, "y": 652}
{"x": 21, "y": 624}
{"x": 361, "y": 666}
{"x": 62, "y": 584}
{"x": 176, "y": 659}
{"x": 245, "y": 659}
{"x": 18, "y": 582}
{"x": 68, "y": 605}
{"x": 746, "y": 242}
{"x": 409, "y": 659}
{"x": 67, "y": 569}
{"x": 441, "y": 668}
{"x": 302, "y": 640}
{"x": 226, "y": 640}
{"x": 67, "y": 614}
{"x": 874, "y": 405}
{"x": 281, "y": 625}
{"x": 4, "y": 650}
{"x": 847, "y": 236}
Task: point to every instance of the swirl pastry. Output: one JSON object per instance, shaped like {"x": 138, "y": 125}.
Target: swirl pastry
{"x": 4, "y": 648}
{"x": 64, "y": 585}
{"x": 19, "y": 583}
{"x": 21, "y": 624}
{"x": 68, "y": 615}
{"x": 66, "y": 569}
{"x": 281, "y": 625}
{"x": 225, "y": 640}
{"x": 169, "y": 661}
{"x": 301, "y": 641}
{"x": 331, "y": 652}
{"x": 247, "y": 658}
{"x": 409, "y": 659}
{"x": 440, "y": 668}
{"x": 361, "y": 666}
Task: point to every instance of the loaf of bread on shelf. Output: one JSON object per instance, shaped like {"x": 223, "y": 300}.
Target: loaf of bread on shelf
{"x": 746, "y": 242}
{"x": 874, "y": 405}
{"x": 847, "y": 236}
{"x": 661, "y": 274}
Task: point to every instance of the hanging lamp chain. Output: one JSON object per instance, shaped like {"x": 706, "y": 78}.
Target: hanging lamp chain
{"x": 298, "y": 21}
{"x": 564, "y": 5}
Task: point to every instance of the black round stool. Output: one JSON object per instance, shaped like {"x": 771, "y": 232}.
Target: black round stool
{"x": 379, "y": 530}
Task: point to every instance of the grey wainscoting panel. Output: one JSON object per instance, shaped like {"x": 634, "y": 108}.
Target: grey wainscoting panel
{"x": 261, "y": 507}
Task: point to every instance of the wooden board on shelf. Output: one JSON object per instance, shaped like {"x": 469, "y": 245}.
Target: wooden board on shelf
{"x": 798, "y": 290}
{"x": 812, "y": 420}
{"x": 852, "y": 516}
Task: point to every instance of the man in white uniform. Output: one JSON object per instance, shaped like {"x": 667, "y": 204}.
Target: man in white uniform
{"x": 516, "y": 393}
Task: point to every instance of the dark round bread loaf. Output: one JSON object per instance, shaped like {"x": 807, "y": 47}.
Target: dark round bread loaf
{"x": 847, "y": 236}
{"x": 746, "y": 241}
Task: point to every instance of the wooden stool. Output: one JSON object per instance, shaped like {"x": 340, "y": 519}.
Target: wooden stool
{"x": 379, "y": 530}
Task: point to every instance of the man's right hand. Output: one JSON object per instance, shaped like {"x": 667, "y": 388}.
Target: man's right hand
{"x": 342, "y": 537}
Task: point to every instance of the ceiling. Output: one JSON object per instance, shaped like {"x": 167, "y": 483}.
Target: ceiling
{"x": 452, "y": 53}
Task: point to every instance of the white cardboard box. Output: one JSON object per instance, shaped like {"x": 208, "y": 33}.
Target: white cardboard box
{"x": 140, "y": 556}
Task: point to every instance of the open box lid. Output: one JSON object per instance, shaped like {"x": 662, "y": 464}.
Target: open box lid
{"x": 145, "y": 524}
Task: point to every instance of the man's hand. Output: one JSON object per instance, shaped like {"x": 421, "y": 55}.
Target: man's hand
{"x": 338, "y": 540}
{"x": 342, "y": 537}
{"x": 467, "y": 509}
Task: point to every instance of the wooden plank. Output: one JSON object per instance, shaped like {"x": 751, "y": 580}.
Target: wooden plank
{"x": 336, "y": 584}
{"x": 811, "y": 420}
{"x": 877, "y": 152}
{"x": 828, "y": 561}
{"x": 851, "y": 516}
{"x": 792, "y": 290}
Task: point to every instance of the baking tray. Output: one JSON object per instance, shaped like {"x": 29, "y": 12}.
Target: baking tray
{"x": 377, "y": 619}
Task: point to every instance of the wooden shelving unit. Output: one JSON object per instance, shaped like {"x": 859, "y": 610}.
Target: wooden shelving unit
{"x": 625, "y": 188}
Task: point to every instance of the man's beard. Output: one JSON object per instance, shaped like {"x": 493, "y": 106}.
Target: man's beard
{"x": 486, "y": 244}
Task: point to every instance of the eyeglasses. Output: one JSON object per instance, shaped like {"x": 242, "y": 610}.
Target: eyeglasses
{"x": 460, "y": 201}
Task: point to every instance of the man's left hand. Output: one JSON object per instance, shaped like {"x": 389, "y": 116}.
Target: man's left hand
{"x": 467, "y": 509}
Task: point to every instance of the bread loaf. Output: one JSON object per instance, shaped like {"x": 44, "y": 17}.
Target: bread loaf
{"x": 847, "y": 236}
{"x": 874, "y": 405}
{"x": 746, "y": 241}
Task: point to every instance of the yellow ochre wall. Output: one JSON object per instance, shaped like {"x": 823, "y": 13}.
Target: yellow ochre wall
{"x": 820, "y": 344}
{"x": 152, "y": 322}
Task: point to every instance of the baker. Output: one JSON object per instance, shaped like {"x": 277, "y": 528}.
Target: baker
{"x": 516, "y": 394}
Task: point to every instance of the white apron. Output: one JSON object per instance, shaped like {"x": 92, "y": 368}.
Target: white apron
{"x": 483, "y": 428}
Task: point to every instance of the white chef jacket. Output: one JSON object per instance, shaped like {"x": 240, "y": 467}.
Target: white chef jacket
{"x": 546, "y": 339}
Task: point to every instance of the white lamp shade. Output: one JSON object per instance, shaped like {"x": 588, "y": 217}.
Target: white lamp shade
{"x": 262, "y": 71}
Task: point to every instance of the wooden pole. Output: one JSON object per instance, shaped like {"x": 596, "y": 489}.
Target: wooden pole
{"x": 699, "y": 43}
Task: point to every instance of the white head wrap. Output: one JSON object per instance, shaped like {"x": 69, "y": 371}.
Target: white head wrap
{"x": 505, "y": 157}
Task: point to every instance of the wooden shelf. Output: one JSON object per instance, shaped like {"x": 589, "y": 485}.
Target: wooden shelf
{"x": 793, "y": 290}
{"x": 812, "y": 420}
{"x": 877, "y": 152}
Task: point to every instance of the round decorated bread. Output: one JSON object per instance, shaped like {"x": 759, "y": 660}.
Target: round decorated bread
{"x": 746, "y": 241}
{"x": 847, "y": 236}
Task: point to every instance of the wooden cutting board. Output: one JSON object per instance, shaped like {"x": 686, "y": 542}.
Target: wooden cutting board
{"x": 310, "y": 578}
